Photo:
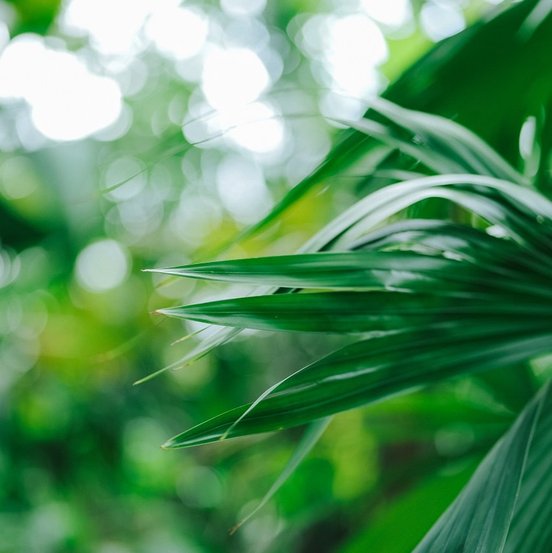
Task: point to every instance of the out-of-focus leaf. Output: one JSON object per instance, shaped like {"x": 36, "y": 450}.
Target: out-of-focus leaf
{"x": 434, "y": 493}
{"x": 308, "y": 441}
{"x": 15, "y": 231}
{"x": 530, "y": 529}
{"x": 35, "y": 15}
{"x": 200, "y": 350}
{"x": 536, "y": 18}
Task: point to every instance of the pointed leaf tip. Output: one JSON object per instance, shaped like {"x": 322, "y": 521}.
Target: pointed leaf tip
{"x": 169, "y": 311}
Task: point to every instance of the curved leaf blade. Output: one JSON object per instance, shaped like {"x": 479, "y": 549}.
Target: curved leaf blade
{"x": 374, "y": 369}
{"x": 480, "y": 518}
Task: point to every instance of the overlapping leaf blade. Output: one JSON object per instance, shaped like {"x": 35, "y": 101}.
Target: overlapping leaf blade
{"x": 496, "y": 269}
{"x": 319, "y": 270}
{"x": 524, "y": 213}
{"x": 375, "y": 368}
{"x": 439, "y": 143}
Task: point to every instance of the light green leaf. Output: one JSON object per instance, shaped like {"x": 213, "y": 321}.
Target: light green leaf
{"x": 200, "y": 350}
{"x": 519, "y": 210}
{"x": 307, "y": 442}
{"x": 438, "y": 142}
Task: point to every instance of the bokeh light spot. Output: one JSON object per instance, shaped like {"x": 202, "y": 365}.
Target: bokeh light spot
{"x": 357, "y": 47}
{"x": 392, "y": 13}
{"x": 113, "y": 26}
{"x": 241, "y": 187}
{"x": 441, "y": 19}
{"x": 102, "y": 266}
{"x": 233, "y": 77}
{"x": 177, "y": 32}
{"x": 243, "y": 7}
{"x": 67, "y": 100}
{"x": 257, "y": 128}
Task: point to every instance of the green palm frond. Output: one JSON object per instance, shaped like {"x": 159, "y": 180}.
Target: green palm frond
{"x": 418, "y": 301}
{"x": 468, "y": 302}
{"x": 426, "y": 300}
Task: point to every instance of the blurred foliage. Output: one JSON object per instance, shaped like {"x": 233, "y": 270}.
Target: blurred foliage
{"x": 34, "y": 16}
{"x": 80, "y": 464}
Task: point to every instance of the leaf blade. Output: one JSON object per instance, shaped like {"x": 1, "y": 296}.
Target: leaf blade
{"x": 480, "y": 518}
{"x": 369, "y": 371}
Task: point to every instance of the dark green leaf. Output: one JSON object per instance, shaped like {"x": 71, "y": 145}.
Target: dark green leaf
{"x": 372, "y": 369}
{"x": 358, "y": 312}
{"x": 488, "y": 511}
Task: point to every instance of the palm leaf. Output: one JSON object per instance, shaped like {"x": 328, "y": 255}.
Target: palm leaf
{"x": 373, "y": 369}
{"x": 491, "y": 513}
{"x": 497, "y": 269}
{"x": 353, "y": 312}
{"x": 439, "y": 143}
{"x": 432, "y": 300}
